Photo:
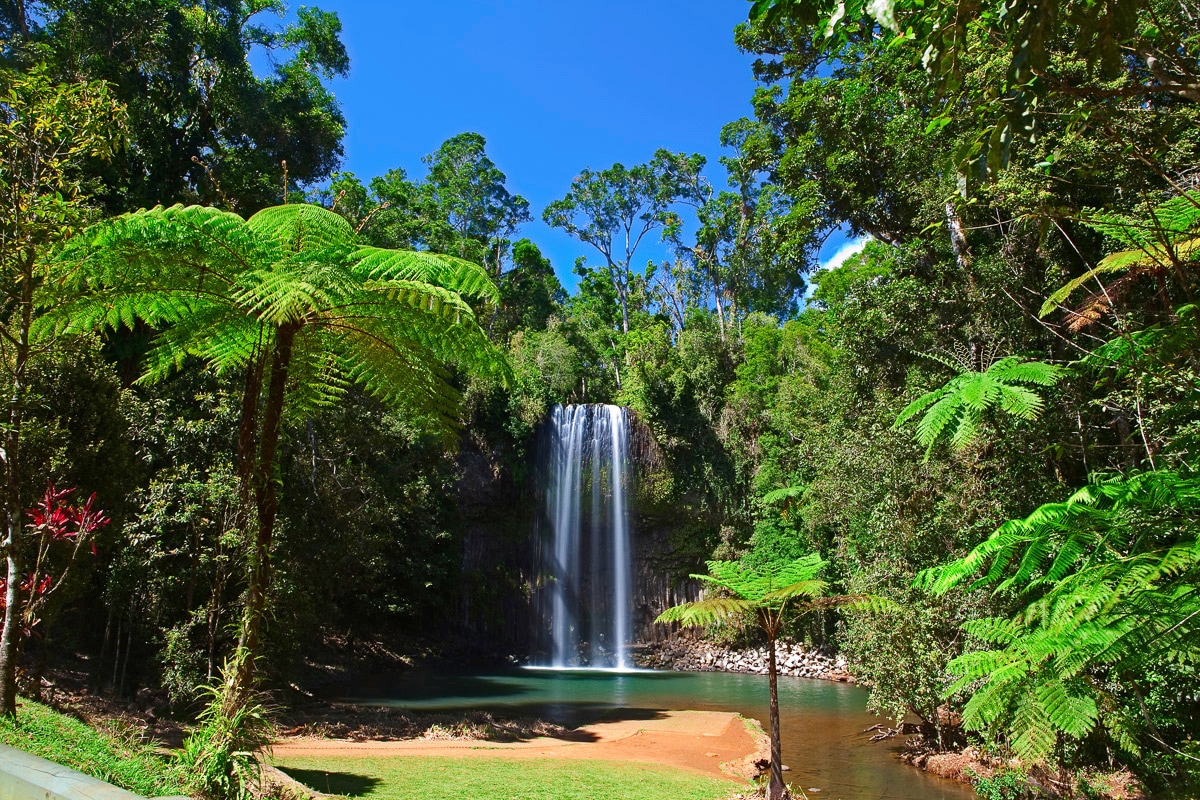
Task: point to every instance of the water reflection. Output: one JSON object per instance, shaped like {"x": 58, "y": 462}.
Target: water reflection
{"x": 821, "y": 723}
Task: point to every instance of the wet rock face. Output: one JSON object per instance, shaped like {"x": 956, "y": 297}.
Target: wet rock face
{"x": 696, "y": 655}
{"x": 656, "y": 564}
{"x": 503, "y": 528}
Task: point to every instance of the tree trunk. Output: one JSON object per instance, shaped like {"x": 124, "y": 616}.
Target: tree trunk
{"x": 717, "y": 290}
{"x": 958, "y": 239}
{"x": 617, "y": 275}
{"x": 266, "y": 501}
{"x": 776, "y": 789}
{"x": 10, "y": 636}
{"x": 247, "y": 425}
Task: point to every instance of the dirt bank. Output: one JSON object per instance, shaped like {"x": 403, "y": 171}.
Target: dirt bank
{"x": 716, "y": 744}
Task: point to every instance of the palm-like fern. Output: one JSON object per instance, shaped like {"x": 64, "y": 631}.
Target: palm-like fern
{"x": 767, "y": 593}
{"x": 1109, "y": 579}
{"x": 788, "y": 498}
{"x": 1155, "y": 244}
{"x": 959, "y": 407}
{"x": 289, "y": 300}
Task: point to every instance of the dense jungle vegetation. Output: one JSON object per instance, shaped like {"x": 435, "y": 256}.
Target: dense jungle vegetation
{"x": 989, "y": 416}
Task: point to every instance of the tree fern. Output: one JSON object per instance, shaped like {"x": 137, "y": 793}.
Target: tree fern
{"x": 292, "y": 302}
{"x": 766, "y": 594}
{"x": 957, "y": 409}
{"x": 1107, "y": 581}
{"x": 1156, "y": 243}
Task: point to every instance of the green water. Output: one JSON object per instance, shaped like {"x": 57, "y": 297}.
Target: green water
{"x": 821, "y": 722}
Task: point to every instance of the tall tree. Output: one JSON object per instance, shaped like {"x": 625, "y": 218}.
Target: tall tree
{"x": 613, "y": 210}
{"x": 754, "y": 240}
{"x": 469, "y": 191}
{"x": 202, "y": 125}
{"x": 288, "y": 301}
{"x": 530, "y": 292}
{"x": 47, "y": 134}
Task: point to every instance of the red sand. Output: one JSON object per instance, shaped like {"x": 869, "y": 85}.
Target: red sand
{"x": 712, "y": 743}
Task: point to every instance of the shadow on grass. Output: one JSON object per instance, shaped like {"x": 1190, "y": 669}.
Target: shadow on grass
{"x": 345, "y": 783}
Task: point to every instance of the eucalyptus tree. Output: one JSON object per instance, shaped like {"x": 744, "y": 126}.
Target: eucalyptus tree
{"x": 768, "y": 594}
{"x": 615, "y": 209}
{"x": 753, "y": 240}
{"x": 469, "y": 191}
{"x": 48, "y": 132}
{"x": 291, "y": 303}
{"x": 462, "y": 206}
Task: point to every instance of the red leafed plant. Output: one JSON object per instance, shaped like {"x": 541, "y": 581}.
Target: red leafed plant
{"x": 53, "y": 520}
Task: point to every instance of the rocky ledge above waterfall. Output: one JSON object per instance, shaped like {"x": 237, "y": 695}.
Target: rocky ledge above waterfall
{"x": 695, "y": 655}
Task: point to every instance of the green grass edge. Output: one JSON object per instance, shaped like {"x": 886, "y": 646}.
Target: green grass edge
{"x": 112, "y": 754}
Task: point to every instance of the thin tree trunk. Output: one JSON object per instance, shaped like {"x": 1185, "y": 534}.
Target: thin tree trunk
{"x": 246, "y": 428}
{"x": 776, "y": 789}
{"x": 620, "y": 284}
{"x": 267, "y": 503}
{"x": 10, "y": 636}
{"x": 120, "y": 690}
{"x": 97, "y": 677}
{"x": 116, "y": 656}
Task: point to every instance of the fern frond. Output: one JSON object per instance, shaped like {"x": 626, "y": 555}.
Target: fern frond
{"x": 959, "y": 406}
{"x": 786, "y": 493}
{"x": 455, "y": 274}
{"x": 707, "y": 612}
{"x": 301, "y": 228}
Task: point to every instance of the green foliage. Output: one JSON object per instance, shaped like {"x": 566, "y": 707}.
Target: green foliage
{"x": 291, "y": 303}
{"x": 769, "y": 588}
{"x": 203, "y": 127}
{"x": 1109, "y": 582}
{"x": 48, "y": 132}
{"x": 1025, "y": 39}
{"x": 959, "y": 407}
{"x": 531, "y": 294}
{"x": 220, "y": 754}
{"x": 113, "y": 753}
{"x": 286, "y": 266}
{"x": 1157, "y": 242}
{"x": 468, "y": 190}
{"x": 613, "y": 210}
{"x": 1007, "y": 784}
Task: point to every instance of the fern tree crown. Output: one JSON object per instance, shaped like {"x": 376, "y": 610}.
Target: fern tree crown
{"x": 220, "y": 288}
{"x": 956, "y": 410}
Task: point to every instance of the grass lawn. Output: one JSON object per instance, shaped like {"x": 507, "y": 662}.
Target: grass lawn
{"x": 437, "y": 778}
{"x": 110, "y": 755}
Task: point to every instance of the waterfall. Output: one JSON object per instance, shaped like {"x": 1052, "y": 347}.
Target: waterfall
{"x": 584, "y": 592}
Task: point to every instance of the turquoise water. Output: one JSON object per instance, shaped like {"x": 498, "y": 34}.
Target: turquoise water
{"x": 821, "y": 722}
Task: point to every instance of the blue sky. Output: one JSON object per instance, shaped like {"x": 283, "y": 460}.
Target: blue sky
{"x": 553, "y": 87}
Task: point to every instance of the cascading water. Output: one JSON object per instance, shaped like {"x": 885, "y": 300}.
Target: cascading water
{"x": 584, "y": 596}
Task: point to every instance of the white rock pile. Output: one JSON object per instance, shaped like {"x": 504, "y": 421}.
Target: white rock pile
{"x": 693, "y": 655}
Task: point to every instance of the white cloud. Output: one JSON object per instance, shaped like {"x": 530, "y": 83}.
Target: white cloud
{"x": 850, "y": 248}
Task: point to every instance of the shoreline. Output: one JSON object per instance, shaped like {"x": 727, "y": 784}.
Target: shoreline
{"x": 697, "y": 655}
{"x": 713, "y": 743}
